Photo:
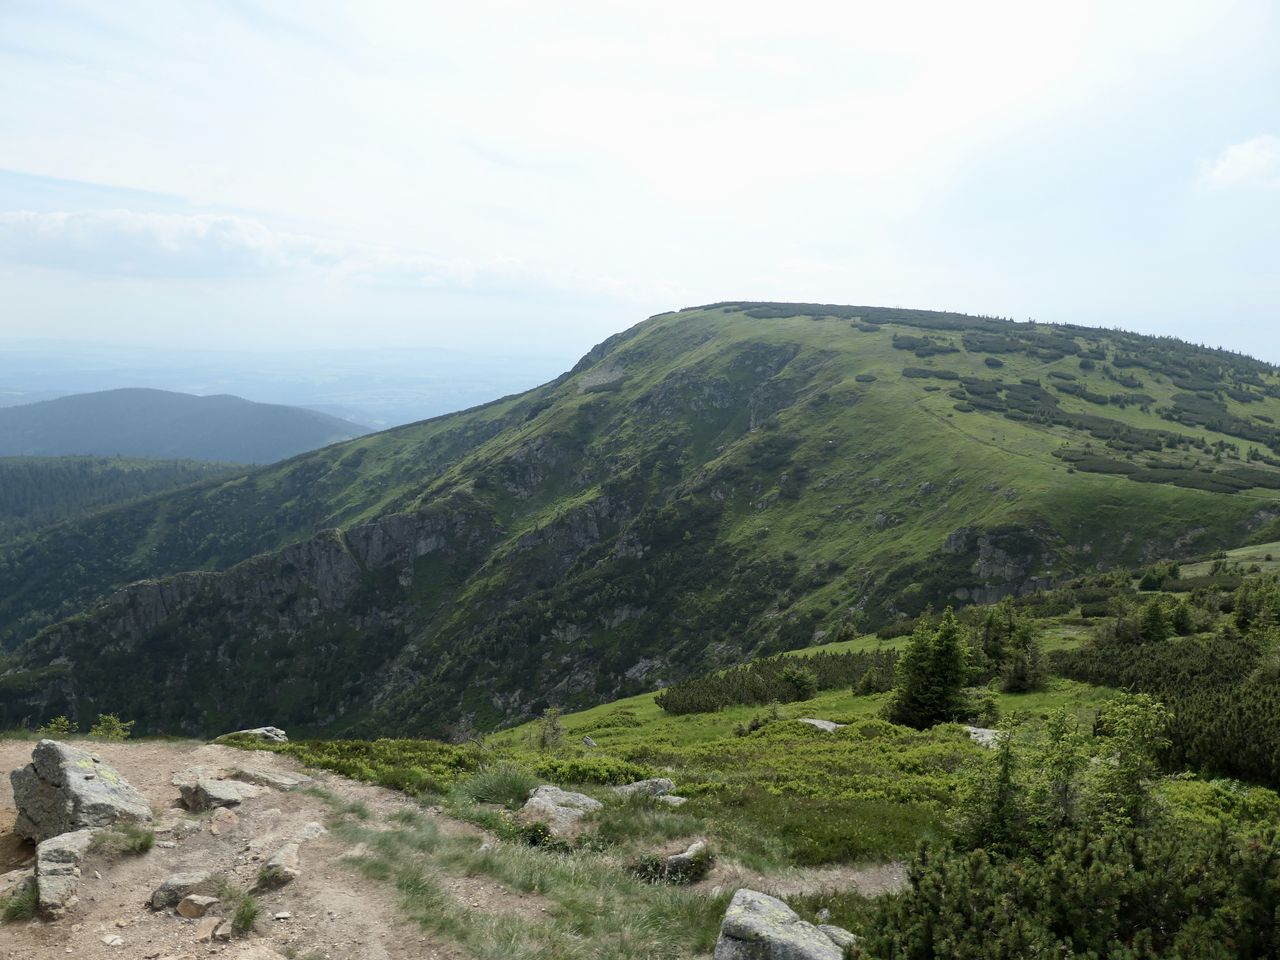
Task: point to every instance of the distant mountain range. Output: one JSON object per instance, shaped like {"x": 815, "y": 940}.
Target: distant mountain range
{"x": 163, "y": 424}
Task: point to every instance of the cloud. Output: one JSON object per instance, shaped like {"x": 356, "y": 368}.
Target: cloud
{"x": 157, "y": 245}
{"x": 1253, "y": 163}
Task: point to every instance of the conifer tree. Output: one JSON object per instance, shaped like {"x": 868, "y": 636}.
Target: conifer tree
{"x": 931, "y": 676}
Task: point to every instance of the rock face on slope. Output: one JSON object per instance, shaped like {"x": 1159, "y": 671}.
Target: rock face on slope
{"x": 65, "y": 789}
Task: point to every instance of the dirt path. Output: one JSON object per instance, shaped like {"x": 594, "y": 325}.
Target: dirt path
{"x": 333, "y": 911}
{"x": 870, "y": 880}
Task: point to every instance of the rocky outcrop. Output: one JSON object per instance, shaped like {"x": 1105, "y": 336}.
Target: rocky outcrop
{"x": 57, "y": 877}
{"x": 178, "y": 886}
{"x": 275, "y": 779}
{"x": 560, "y": 810}
{"x": 759, "y": 927}
{"x": 202, "y": 790}
{"x": 64, "y": 789}
{"x": 282, "y": 867}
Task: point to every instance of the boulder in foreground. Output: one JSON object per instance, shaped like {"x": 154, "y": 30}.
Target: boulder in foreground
{"x": 759, "y": 927}
{"x": 64, "y": 789}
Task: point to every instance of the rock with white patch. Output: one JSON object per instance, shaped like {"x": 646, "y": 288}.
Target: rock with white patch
{"x": 984, "y": 736}
{"x": 826, "y": 726}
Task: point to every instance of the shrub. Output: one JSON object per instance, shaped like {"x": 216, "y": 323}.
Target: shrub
{"x": 655, "y": 868}
{"x": 58, "y": 727}
{"x": 591, "y": 769}
{"x": 124, "y": 838}
{"x": 19, "y": 905}
{"x": 549, "y": 731}
{"x": 245, "y": 916}
{"x": 931, "y": 675}
{"x": 504, "y": 783}
{"x": 111, "y": 727}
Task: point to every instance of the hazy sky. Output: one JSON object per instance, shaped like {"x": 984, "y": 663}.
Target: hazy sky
{"x": 535, "y": 176}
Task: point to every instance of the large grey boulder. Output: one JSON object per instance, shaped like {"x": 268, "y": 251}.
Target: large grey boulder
{"x": 64, "y": 789}
{"x": 560, "y": 810}
{"x": 58, "y": 862}
{"x": 759, "y": 927}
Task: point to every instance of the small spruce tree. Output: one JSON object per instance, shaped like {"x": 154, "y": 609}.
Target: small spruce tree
{"x": 931, "y": 676}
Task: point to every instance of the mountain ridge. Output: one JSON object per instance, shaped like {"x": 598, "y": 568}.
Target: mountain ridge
{"x": 708, "y": 484}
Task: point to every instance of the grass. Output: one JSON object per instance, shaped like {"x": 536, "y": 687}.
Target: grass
{"x": 594, "y": 909}
{"x": 1264, "y": 555}
{"x": 504, "y": 783}
{"x": 126, "y": 838}
{"x": 239, "y": 905}
{"x": 19, "y": 905}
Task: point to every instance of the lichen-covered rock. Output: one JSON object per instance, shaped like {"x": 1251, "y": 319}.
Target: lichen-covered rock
{"x": 560, "y": 810}
{"x": 759, "y": 927}
{"x": 671, "y": 800}
{"x": 64, "y": 789}
{"x": 58, "y": 862}
{"x": 180, "y": 885}
{"x": 653, "y": 787}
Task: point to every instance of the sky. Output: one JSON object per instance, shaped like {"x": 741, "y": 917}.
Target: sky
{"x": 528, "y": 179}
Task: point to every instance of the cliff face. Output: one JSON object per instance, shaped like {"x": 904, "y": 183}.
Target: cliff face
{"x": 710, "y": 484}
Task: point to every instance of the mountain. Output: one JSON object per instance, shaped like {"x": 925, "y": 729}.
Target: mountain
{"x": 720, "y": 482}
{"x": 163, "y": 424}
{"x": 36, "y": 492}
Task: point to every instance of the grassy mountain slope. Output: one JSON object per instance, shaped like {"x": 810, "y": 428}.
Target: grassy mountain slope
{"x": 726, "y": 480}
{"x": 159, "y": 423}
{"x": 37, "y": 492}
